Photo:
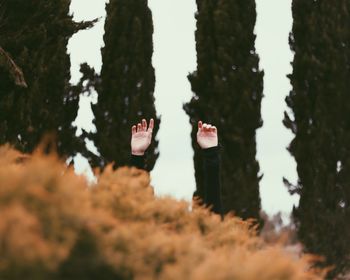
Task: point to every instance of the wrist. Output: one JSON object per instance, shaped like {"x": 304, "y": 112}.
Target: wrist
{"x": 208, "y": 147}
{"x": 138, "y": 153}
{"x": 212, "y": 152}
{"x": 217, "y": 147}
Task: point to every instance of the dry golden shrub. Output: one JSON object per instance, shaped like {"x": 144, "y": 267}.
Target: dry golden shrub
{"x": 55, "y": 226}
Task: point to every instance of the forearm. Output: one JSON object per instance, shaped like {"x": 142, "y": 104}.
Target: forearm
{"x": 138, "y": 161}
{"x": 211, "y": 166}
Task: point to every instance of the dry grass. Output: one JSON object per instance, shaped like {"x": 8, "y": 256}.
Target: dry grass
{"x": 54, "y": 226}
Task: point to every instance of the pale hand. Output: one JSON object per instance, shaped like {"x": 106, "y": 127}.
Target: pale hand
{"x": 207, "y": 136}
{"x": 141, "y": 137}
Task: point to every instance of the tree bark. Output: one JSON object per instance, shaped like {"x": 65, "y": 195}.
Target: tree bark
{"x": 16, "y": 73}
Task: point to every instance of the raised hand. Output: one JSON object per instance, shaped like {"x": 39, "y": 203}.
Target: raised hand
{"x": 207, "y": 135}
{"x": 141, "y": 137}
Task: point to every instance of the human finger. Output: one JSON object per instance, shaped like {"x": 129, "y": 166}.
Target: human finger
{"x": 205, "y": 127}
{"x": 133, "y": 129}
{"x": 139, "y": 127}
{"x": 200, "y": 125}
{"x": 214, "y": 129}
{"x": 151, "y": 125}
{"x": 144, "y": 125}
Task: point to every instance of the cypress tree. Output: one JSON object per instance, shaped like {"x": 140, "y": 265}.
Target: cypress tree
{"x": 320, "y": 104}
{"x": 227, "y": 90}
{"x": 34, "y": 36}
{"x": 126, "y": 84}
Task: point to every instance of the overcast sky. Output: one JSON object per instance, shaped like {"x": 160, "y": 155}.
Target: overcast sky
{"x": 175, "y": 57}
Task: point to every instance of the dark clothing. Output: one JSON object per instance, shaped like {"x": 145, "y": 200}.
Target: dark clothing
{"x": 211, "y": 169}
{"x": 138, "y": 162}
{"x": 212, "y": 184}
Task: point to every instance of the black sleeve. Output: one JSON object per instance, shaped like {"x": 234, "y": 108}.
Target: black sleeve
{"x": 138, "y": 162}
{"x": 212, "y": 185}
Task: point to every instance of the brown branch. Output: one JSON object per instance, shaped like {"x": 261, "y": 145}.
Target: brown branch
{"x": 10, "y": 66}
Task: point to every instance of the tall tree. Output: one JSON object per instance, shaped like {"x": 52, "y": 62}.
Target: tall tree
{"x": 126, "y": 85}
{"x": 227, "y": 90}
{"x": 40, "y": 100}
{"x": 320, "y": 102}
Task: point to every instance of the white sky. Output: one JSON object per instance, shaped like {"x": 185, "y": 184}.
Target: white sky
{"x": 175, "y": 57}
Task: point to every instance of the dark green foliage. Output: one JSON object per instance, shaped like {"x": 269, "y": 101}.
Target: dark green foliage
{"x": 320, "y": 101}
{"x": 227, "y": 90}
{"x": 35, "y": 33}
{"x": 126, "y": 85}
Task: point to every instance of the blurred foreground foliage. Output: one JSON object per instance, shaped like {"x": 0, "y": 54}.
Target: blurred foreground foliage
{"x": 54, "y": 225}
